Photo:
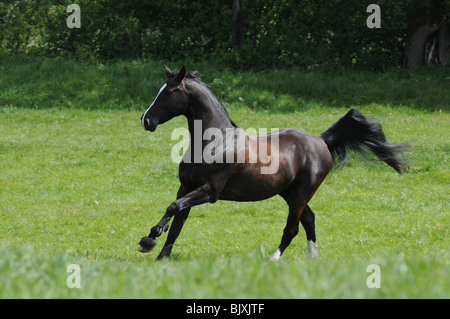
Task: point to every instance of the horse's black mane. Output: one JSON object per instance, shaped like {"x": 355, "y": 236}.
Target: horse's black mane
{"x": 195, "y": 77}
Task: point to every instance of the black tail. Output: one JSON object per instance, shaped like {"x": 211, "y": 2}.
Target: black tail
{"x": 353, "y": 132}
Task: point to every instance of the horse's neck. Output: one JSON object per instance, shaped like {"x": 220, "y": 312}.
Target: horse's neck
{"x": 206, "y": 108}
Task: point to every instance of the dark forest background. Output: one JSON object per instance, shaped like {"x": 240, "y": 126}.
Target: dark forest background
{"x": 235, "y": 33}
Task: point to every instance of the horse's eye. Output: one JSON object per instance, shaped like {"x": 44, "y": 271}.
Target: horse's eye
{"x": 168, "y": 92}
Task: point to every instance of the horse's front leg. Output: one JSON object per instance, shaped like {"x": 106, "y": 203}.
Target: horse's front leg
{"x": 148, "y": 243}
{"x": 174, "y": 232}
{"x": 185, "y": 200}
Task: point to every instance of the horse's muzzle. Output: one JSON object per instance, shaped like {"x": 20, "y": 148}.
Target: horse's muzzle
{"x": 150, "y": 125}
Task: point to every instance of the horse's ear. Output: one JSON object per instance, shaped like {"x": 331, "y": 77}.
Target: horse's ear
{"x": 181, "y": 75}
{"x": 168, "y": 71}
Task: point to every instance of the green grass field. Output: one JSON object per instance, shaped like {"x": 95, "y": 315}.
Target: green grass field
{"x": 81, "y": 184}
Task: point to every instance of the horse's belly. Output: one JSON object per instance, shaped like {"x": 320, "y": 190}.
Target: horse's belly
{"x": 249, "y": 186}
{"x": 244, "y": 195}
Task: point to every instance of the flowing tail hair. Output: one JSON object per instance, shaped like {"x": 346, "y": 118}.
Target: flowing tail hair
{"x": 353, "y": 132}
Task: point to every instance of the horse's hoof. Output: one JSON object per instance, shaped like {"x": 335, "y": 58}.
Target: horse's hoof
{"x": 147, "y": 244}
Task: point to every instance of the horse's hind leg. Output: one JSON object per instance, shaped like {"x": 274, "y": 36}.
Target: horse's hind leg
{"x": 291, "y": 229}
{"x": 307, "y": 219}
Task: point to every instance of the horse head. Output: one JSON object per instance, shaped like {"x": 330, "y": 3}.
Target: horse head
{"x": 171, "y": 100}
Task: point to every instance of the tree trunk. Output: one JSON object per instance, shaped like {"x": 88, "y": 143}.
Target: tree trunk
{"x": 238, "y": 23}
{"x": 425, "y": 20}
{"x": 444, "y": 45}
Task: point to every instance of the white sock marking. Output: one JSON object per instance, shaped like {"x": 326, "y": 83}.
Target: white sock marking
{"x": 276, "y": 255}
{"x": 312, "y": 249}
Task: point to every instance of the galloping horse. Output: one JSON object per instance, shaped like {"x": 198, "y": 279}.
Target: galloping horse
{"x": 303, "y": 160}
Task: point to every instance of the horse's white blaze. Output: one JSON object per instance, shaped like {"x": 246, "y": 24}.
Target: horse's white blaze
{"x": 157, "y": 95}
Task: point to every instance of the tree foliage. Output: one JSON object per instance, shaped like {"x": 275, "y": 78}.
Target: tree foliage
{"x": 276, "y": 33}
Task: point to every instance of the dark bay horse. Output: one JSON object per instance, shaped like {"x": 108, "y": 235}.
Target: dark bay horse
{"x": 302, "y": 160}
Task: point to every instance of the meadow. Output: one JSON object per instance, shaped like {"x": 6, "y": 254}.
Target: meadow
{"x": 81, "y": 182}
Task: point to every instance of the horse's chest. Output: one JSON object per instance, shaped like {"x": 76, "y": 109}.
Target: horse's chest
{"x": 191, "y": 175}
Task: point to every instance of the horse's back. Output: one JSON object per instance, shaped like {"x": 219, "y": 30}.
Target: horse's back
{"x": 300, "y": 157}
